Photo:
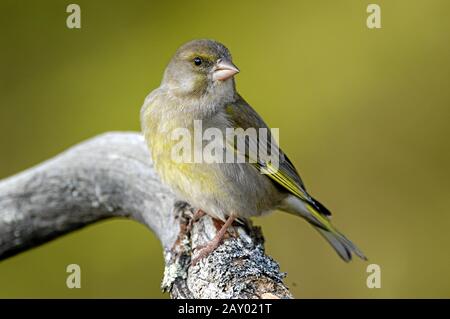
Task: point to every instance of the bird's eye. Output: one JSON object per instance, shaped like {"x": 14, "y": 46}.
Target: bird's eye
{"x": 197, "y": 61}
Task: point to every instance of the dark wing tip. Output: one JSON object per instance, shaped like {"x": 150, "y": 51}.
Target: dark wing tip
{"x": 321, "y": 209}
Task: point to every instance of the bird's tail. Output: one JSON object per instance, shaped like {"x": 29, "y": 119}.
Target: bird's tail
{"x": 343, "y": 246}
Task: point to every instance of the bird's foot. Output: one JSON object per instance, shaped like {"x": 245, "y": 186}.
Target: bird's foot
{"x": 205, "y": 250}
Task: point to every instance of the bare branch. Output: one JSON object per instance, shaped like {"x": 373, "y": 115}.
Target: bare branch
{"x": 112, "y": 176}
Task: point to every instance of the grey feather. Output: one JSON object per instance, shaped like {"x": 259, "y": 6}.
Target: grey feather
{"x": 344, "y": 247}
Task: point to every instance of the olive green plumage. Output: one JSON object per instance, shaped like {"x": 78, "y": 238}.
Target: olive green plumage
{"x": 198, "y": 84}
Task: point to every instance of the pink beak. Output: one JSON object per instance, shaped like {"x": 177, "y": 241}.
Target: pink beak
{"x": 224, "y": 70}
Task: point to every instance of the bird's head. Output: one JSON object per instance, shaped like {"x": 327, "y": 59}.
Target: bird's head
{"x": 199, "y": 68}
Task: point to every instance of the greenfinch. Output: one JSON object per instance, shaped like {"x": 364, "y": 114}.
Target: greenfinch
{"x": 199, "y": 85}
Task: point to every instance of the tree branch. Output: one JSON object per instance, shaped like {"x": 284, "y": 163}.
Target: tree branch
{"x": 112, "y": 176}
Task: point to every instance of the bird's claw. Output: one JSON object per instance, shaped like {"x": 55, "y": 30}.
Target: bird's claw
{"x": 204, "y": 251}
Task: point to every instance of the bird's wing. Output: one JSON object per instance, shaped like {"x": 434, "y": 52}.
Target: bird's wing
{"x": 242, "y": 115}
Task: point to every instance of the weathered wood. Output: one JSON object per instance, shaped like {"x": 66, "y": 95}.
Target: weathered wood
{"x": 112, "y": 176}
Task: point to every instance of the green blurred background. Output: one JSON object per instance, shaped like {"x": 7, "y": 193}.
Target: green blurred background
{"x": 364, "y": 114}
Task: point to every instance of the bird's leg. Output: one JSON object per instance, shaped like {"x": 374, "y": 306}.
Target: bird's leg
{"x": 215, "y": 242}
{"x": 197, "y": 215}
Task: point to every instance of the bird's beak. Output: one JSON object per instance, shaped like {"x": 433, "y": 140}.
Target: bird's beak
{"x": 224, "y": 70}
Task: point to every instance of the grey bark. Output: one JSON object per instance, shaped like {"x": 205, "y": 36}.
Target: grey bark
{"x": 112, "y": 176}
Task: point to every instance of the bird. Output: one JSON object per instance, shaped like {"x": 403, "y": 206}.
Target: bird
{"x": 198, "y": 85}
